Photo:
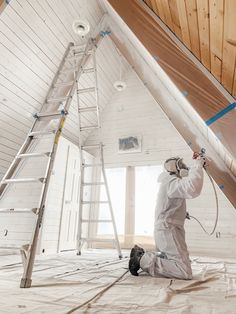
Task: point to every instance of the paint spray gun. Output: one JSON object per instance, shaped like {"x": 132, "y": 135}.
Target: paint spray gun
{"x": 202, "y": 154}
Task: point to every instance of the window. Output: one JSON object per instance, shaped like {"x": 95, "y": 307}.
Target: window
{"x": 146, "y": 189}
{"x": 116, "y": 178}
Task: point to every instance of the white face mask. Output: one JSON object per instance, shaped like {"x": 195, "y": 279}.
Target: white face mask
{"x": 183, "y": 173}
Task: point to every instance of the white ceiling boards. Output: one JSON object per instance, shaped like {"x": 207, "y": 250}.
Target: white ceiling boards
{"x": 33, "y": 38}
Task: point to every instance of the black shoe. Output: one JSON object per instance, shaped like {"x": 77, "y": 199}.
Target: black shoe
{"x": 134, "y": 262}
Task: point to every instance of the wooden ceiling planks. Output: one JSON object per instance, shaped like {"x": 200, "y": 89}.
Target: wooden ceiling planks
{"x": 208, "y": 29}
{"x": 203, "y": 24}
{"x": 216, "y": 9}
{"x": 181, "y": 9}
{"x": 229, "y": 42}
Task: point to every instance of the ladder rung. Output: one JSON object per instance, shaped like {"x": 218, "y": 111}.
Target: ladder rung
{"x": 85, "y": 128}
{"x": 86, "y": 90}
{"x": 93, "y": 183}
{"x": 61, "y": 84}
{"x": 96, "y": 220}
{"x": 10, "y": 247}
{"x": 98, "y": 240}
{"x": 49, "y": 115}
{"x": 58, "y": 99}
{"x": 87, "y": 109}
{"x": 79, "y": 53}
{"x": 92, "y": 165}
{"x": 70, "y": 69}
{"x": 95, "y": 202}
{"x": 91, "y": 146}
{"x": 35, "y": 133}
{"x": 23, "y": 180}
{"x": 88, "y": 70}
{"x": 19, "y": 210}
{"x": 31, "y": 155}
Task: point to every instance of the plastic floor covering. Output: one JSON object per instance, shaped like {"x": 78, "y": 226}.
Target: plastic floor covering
{"x": 65, "y": 283}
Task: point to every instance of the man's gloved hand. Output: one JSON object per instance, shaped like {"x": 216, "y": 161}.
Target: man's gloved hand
{"x": 202, "y": 159}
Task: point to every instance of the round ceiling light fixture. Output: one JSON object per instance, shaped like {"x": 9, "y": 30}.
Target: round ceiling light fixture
{"x": 81, "y": 27}
{"x": 119, "y": 85}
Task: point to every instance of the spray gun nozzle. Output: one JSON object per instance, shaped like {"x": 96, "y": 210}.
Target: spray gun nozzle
{"x": 202, "y": 152}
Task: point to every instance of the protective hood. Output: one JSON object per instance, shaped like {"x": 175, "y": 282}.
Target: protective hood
{"x": 177, "y": 166}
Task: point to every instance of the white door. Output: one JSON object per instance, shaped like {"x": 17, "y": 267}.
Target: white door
{"x": 70, "y": 210}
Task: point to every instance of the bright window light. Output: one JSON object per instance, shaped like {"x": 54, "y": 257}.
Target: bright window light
{"x": 116, "y": 178}
{"x": 146, "y": 189}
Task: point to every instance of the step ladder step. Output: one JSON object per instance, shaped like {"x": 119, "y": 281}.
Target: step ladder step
{"x": 96, "y": 221}
{"x": 38, "y": 133}
{"x": 56, "y": 100}
{"x": 10, "y": 247}
{"x": 78, "y": 52}
{"x": 93, "y": 183}
{"x": 19, "y": 210}
{"x": 88, "y": 70}
{"x": 62, "y": 84}
{"x": 91, "y": 165}
{"x": 86, "y": 90}
{"x": 96, "y": 146}
{"x": 70, "y": 69}
{"x": 90, "y": 127}
{"x": 55, "y": 115}
{"x": 23, "y": 180}
{"x": 87, "y": 109}
{"x": 98, "y": 240}
{"x": 95, "y": 202}
{"x": 32, "y": 155}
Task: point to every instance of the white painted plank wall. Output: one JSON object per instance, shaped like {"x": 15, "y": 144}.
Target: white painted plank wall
{"x": 135, "y": 112}
{"x": 19, "y": 226}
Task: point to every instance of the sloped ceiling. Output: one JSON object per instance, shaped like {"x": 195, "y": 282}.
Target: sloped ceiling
{"x": 33, "y": 38}
{"x": 187, "y": 95}
{"x": 207, "y": 28}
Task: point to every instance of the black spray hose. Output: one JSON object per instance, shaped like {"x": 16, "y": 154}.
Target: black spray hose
{"x": 217, "y": 202}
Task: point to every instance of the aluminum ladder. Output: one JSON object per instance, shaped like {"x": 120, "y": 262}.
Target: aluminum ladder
{"x": 55, "y": 107}
{"x": 98, "y": 151}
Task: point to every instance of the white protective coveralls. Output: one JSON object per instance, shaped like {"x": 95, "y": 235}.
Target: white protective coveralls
{"x": 169, "y": 233}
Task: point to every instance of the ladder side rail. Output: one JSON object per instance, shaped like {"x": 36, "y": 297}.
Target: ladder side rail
{"x": 79, "y": 243}
{"x": 110, "y": 203}
{"x": 96, "y": 88}
{"x": 29, "y": 262}
{"x": 57, "y": 74}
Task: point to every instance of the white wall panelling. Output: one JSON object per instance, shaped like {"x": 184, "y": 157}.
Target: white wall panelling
{"x": 55, "y": 234}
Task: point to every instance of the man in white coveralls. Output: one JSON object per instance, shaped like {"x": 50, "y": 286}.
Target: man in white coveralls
{"x": 171, "y": 259}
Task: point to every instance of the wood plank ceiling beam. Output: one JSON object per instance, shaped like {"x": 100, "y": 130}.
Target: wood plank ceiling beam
{"x": 208, "y": 29}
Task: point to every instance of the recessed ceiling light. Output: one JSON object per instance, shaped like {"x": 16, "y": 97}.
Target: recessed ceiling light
{"x": 119, "y": 85}
{"x": 81, "y": 27}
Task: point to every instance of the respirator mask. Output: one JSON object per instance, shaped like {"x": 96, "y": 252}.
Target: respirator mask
{"x": 176, "y": 165}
